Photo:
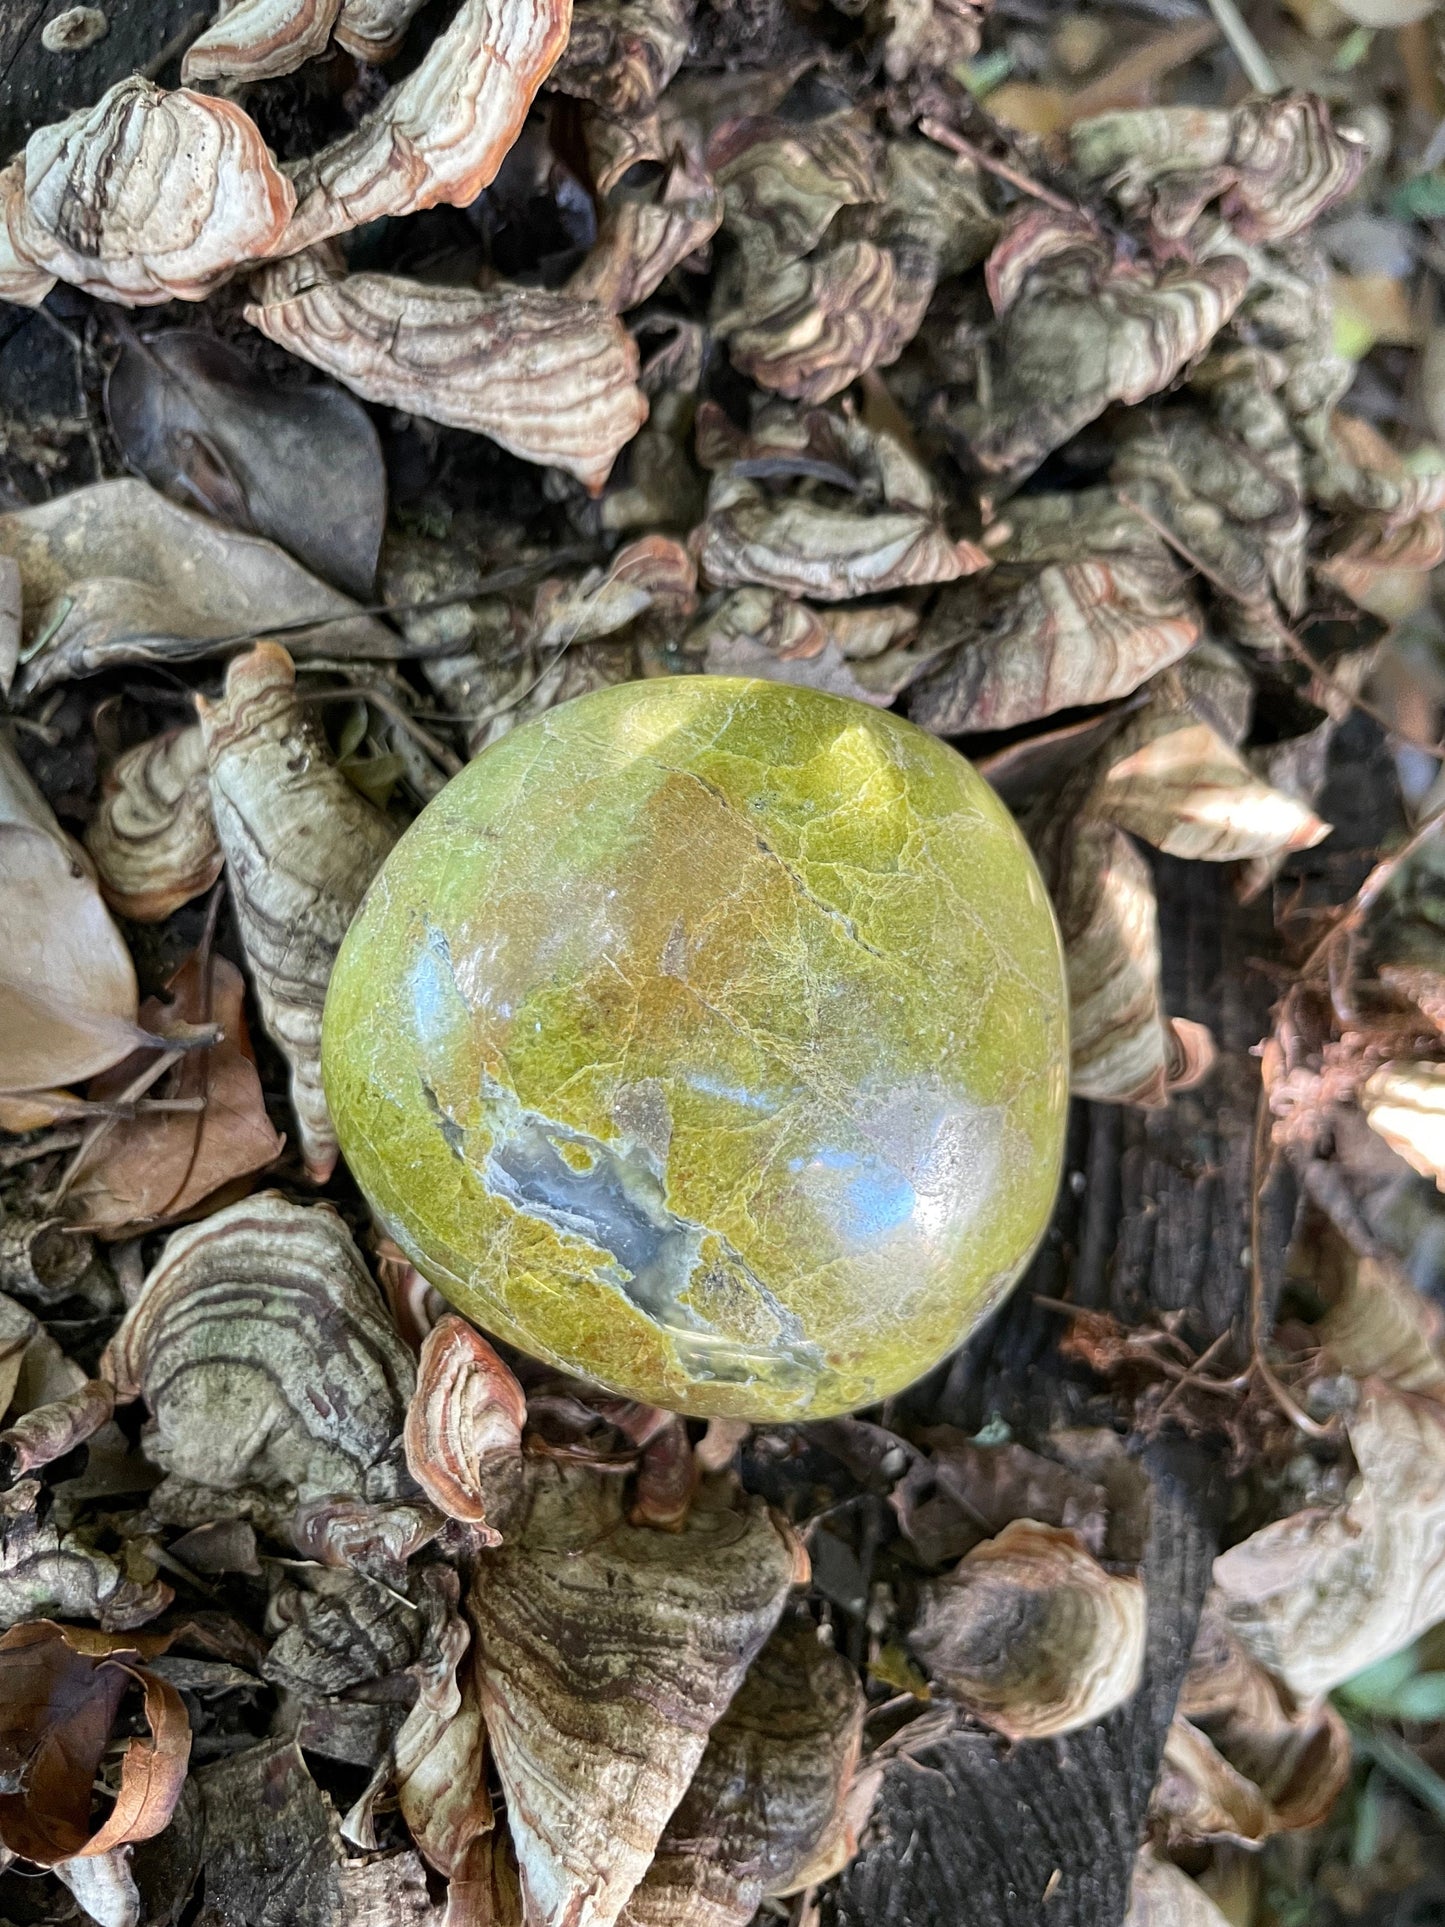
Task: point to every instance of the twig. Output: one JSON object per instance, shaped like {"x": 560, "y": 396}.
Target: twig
{"x": 1247, "y": 50}
{"x": 958, "y": 144}
{"x": 443, "y": 757}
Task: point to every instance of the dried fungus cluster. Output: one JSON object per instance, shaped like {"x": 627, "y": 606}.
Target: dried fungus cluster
{"x": 726, "y": 347}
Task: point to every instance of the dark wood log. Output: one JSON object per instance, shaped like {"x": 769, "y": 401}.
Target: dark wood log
{"x": 37, "y": 87}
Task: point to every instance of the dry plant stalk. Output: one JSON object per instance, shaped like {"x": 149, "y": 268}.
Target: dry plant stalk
{"x": 301, "y": 847}
{"x": 153, "y": 840}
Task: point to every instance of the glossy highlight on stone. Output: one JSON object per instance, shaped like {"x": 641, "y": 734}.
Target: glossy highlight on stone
{"x": 708, "y": 1038}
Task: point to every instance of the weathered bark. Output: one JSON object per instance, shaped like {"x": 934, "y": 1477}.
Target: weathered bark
{"x": 971, "y": 1829}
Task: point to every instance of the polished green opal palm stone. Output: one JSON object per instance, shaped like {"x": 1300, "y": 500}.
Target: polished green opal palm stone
{"x": 709, "y": 1038}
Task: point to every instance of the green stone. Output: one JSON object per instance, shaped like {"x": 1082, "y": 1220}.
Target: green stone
{"x": 709, "y": 1039}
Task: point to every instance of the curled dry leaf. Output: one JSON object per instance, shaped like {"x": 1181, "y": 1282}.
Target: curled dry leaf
{"x": 157, "y": 1167}
{"x": 261, "y": 1346}
{"x": 1172, "y": 779}
{"x": 765, "y": 1813}
{"x": 147, "y": 196}
{"x": 301, "y": 847}
{"x": 439, "y": 135}
{"x": 1244, "y": 1760}
{"x": 259, "y": 39}
{"x": 1325, "y": 1593}
{"x": 607, "y": 1653}
{"x": 1031, "y": 1634}
{"x": 1080, "y": 328}
{"x": 1273, "y": 165}
{"x": 1162, "y": 1895}
{"x": 646, "y": 231}
{"x": 60, "y": 1691}
{"x": 1083, "y": 604}
{"x": 47, "y": 1432}
{"x": 152, "y": 840}
{"x": 1405, "y": 1105}
{"x": 115, "y": 573}
{"x": 886, "y": 532}
{"x": 652, "y": 574}
{"x": 464, "y": 1427}
{"x": 45, "y": 1571}
{"x": 1109, "y": 919}
{"x": 549, "y": 377}
{"x": 67, "y": 987}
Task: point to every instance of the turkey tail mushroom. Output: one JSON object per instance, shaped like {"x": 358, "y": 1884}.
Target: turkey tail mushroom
{"x": 301, "y": 846}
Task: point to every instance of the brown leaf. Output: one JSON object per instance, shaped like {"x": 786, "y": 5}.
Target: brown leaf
{"x": 271, "y": 1371}
{"x": 765, "y": 1811}
{"x": 551, "y": 378}
{"x": 1325, "y": 1593}
{"x": 1173, "y": 780}
{"x": 1081, "y": 328}
{"x": 152, "y": 840}
{"x": 67, "y": 986}
{"x": 301, "y": 846}
{"x": 1031, "y": 1634}
{"x": 1405, "y": 1105}
{"x": 598, "y": 1732}
{"x": 464, "y": 1427}
{"x": 60, "y": 1690}
{"x": 1274, "y": 165}
{"x": 1084, "y": 603}
{"x": 162, "y": 1166}
{"x": 301, "y": 466}
{"x": 440, "y": 134}
{"x": 47, "y": 1432}
{"x": 115, "y": 573}
{"x": 103, "y": 204}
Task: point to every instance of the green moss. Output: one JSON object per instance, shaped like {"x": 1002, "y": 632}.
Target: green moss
{"x": 709, "y": 1039}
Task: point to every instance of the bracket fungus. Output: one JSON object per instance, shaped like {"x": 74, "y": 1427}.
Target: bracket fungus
{"x": 656, "y": 1048}
{"x": 552, "y": 378}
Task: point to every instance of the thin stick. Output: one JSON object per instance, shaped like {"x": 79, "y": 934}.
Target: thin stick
{"x": 1247, "y": 50}
{"x": 945, "y": 136}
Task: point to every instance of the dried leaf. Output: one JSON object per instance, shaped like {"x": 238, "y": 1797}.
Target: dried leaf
{"x": 271, "y": 1371}
{"x": 1273, "y": 165}
{"x": 1163, "y": 1896}
{"x": 1173, "y": 780}
{"x": 115, "y": 573}
{"x": 1109, "y": 918}
{"x": 152, "y": 840}
{"x": 162, "y": 1166}
{"x": 1084, "y": 603}
{"x": 1031, "y": 1634}
{"x": 645, "y": 233}
{"x": 464, "y": 1427}
{"x": 1080, "y": 328}
{"x": 47, "y": 1432}
{"x": 301, "y": 466}
{"x": 147, "y": 196}
{"x": 551, "y": 378}
{"x": 259, "y": 39}
{"x": 651, "y": 574}
{"x": 890, "y": 534}
{"x": 62, "y": 1688}
{"x": 67, "y": 986}
{"x": 1325, "y": 1593}
{"x": 45, "y": 1571}
{"x": 961, "y": 1493}
{"x": 765, "y": 1812}
{"x": 1405, "y": 1105}
{"x": 597, "y": 1738}
{"x": 440, "y": 134}
{"x": 441, "y": 1784}
{"x": 301, "y": 847}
